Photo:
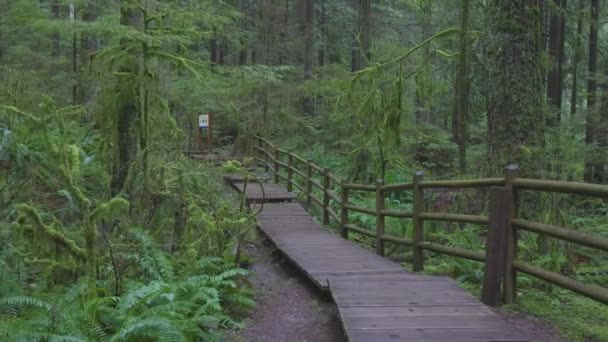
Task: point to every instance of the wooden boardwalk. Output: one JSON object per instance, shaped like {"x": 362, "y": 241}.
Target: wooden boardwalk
{"x": 377, "y": 299}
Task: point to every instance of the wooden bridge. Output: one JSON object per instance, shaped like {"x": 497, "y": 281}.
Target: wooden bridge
{"x": 377, "y": 299}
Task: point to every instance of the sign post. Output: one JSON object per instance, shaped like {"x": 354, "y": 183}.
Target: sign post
{"x": 205, "y": 122}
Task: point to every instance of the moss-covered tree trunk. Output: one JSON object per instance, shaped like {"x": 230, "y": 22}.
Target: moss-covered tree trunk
{"x": 126, "y": 111}
{"x": 309, "y": 52}
{"x": 576, "y": 58}
{"x": 556, "y": 54}
{"x": 591, "y": 117}
{"x": 425, "y": 76}
{"x": 515, "y": 113}
{"x": 459, "y": 124}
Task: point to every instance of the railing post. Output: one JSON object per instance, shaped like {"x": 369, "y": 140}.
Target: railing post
{"x": 418, "y": 221}
{"x": 289, "y": 171}
{"x": 379, "y": 218}
{"x": 309, "y": 183}
{"x": 265, "y": 152}
{"x": 276, "y": 166}
{"x": 512, "y": 172}
{"x": 496, "y": 245}
{"x": 325, "y": 196}
{"x": 343, "y": 210}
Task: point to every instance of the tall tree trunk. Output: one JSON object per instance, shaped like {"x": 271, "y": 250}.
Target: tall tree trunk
{"x": 88, "y": 46}
{"x": 576, "y": 58}
{"x": 214, "y": 51}
{"x": 591, "y": 90}
{"x": 355, "y": 64}
{"x": 601, "y": 165}
{"x": 74, "y": 56}
{"x": 127, "y": 109}
{"x": 424, "y": 78}
{"x": 362, "y": 37}
{"x": 515, "y": 116}
{"x": 55, "y": 36}
{"x": 366, "y": 32}
{"x": 322, "y": 29}
{"x": 309, "y": 53}
{"x": 284, "y": 30}
{"x": 459, "y": 118}
{"x": 556, "y": 53}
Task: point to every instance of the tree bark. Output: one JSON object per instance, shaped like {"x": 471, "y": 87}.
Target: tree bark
{"x": 362, "y": 37}
{"x": 309, "y": 53}
{"x": 459, "y": 118}
{"x": 556, "y": 53}
{"x": 55, "y": 36}
{"x": 515, "y": 113}
{"x": 576, "y": 58}
{"x": 424, "y": 78}
{"x": 127, "y": 110}
{"x": 591, "y": 91}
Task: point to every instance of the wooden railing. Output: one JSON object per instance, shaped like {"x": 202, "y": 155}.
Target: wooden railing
{"x": 500, "y": 257}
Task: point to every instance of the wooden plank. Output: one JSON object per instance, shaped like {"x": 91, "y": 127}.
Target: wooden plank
{"x": 438, "y": 335}
{"x": 442, "y": 322}
{"x": 421, "y": 311}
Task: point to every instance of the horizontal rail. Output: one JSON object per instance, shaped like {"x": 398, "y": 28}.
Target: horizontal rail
{"x": 284, "y": 177}
{"x": 297, "y": 186}
{"x": 263, "y": 161}
{"x": 396, "y": 240}
{"x": 360, "y": 209}
{"x": 298, "y": 158}
{"x": 570, "y": 235}
{"x": 333, "y": 214}
{"x": 316, "y": 167}
{"x": 359, "y": 230}
{"x": 591, "y": 291}
{"x": 281, "y": 163}
{"x": 317, "y": 200}
{"x": 397, "y": 187}
{"x": 466, "y": 183}
{"x": 316, "y": 184}
{"x": 298, "y": 172}
{"x": 280, "y": 150}
{"x": 476, "y": 219}
{"x": 595, "y": 190}
{"x": 334, "y": 178}
{"x": 453, "y": 251}
{"x": 267, "y": 142}
{"x": 265, "y": 152}
{"x": 397, "y": 213}
{"x": 361, "y": 187}
{"x": 333, "y": 196}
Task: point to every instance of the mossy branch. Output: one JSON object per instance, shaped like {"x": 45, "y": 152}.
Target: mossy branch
{"x": 58, "y": 237}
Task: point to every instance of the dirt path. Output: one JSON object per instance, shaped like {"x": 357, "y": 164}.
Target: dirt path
{"x": 289, "y": 307}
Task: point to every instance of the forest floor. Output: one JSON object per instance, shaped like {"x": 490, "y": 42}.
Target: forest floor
{"x": 289, "y": 307}
{"x": 535, "y": 329}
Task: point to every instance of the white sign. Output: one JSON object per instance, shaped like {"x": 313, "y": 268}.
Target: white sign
{"x": 203, "y": 121}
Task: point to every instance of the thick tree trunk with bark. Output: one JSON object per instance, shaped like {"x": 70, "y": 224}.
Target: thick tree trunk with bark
{"x": 515, "y": 113}
{"x": 591, "y": 116}
{"x": 55, "y": 36}
{"x": 126, "y": 114}
{"x": 424, "y": 78}
{"x": 459, "y": 118}
{"x": 362, "y": 38}
{"x": 576, "y": 58}
{"x": 557, "y": 23}
{"x": 309, "y": 52}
